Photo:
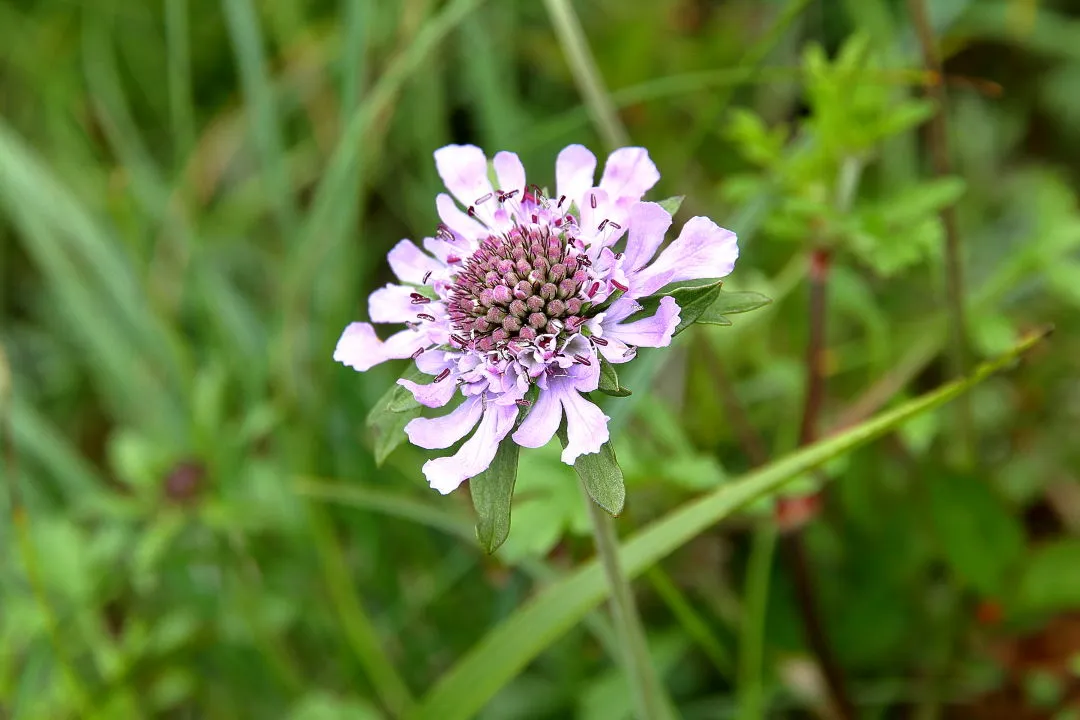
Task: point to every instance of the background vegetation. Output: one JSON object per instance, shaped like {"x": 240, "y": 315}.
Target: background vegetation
{"x": 196, "y": 196}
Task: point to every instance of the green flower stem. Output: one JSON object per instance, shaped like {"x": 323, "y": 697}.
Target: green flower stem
{"x": 586, "y": 73}
{"x": 640, "y": 673}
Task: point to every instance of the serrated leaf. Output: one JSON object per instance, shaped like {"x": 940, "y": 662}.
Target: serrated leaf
{"x": 391, "y": 413}
{"x": 601, "y": 475}
{"x": 609, "y": 380}
{"x": 692, "y": 301}
{"x": 492, "y": 491}
{"x": 388, "y": 431}
{"x": 731, "y": 304}
{"x": 672, "y": 204}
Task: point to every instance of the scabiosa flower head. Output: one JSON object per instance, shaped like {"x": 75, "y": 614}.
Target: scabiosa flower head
{"x": 520, "y": 296}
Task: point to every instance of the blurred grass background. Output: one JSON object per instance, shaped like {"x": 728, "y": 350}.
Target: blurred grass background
{"x": 197, "y": 196}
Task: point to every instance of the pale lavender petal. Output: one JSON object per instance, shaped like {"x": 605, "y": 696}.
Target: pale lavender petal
{"x": 434, "y": 394}
{"x": 702, "y": 250}
{"x": 595, "y": 207}
{"x": 629, "y": 173}
{"x": 406, "y": 343}
{"x": 648, "y": 224}
{"x": 654, "y": 331}
{"x": 586, "y": 426}
{"x": 394, "y": 304}
{"x": 574, "y": 171}
{"x": 542, "y": 421}
{"x": 434, "y": 362}
{"x": 621, "y": 309}
{"x": 616, "y": 351}
{"x": 446, "y": 473}
{"x": 458, "y": 220}
{"x": 442, "y": 432}
{"x": 359, "y": 347}
{"x": 464, "y": 171}
{"x": 585, "y": 378}
{"x": 509, "y": 171}
{"x": 411, "y": 264}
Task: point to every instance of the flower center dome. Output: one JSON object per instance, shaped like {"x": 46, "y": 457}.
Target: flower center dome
{"x": 517, "y": 286}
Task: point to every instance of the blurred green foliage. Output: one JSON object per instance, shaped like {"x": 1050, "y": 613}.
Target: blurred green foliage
{"x": 196, "y": 197}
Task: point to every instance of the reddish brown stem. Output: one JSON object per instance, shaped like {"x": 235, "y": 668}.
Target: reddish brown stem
{"x": 792, "y": 544}
{"x": 820, "y": 260}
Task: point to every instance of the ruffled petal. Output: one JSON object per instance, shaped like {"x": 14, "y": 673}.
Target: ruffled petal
{"x": 542, "y": 421}
{"x": 411, "y": 264}
{"x": 464, "y": 171}
{"x": 586, "y": 425}
{"x": 442, "y": 432}
{"x": 702, "y": 250}
{"x": 648, "y": 224}
{"x": 361, "y": 349}
{"x": 434, "y": 394}
{"x": 574, "y": 171}
{"x": 654, "y": 331}
{"x": 446, "y": 473}
{"x": 509, "y": 171}
{"x": 628, "y": 174}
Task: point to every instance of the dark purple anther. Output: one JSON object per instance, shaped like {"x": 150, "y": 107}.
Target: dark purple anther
{"x": 418, "y": 299}
{"x": 427, "y": 276}
{"x": 417, "y": 353}
{"x": 425, "y": 316}
{"x": 592, "y": 200}
{"x": 600, "y": 341}
{"x": 582, "y": 359}
{"x": 443, "y": 375}
{"x": 619, "y": 285}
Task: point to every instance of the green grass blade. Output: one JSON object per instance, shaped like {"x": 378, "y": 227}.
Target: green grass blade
{"x": 354, "y": 53}
{"x": 178, "y": 59}
{"x": 358, "y": 628}
{"x": 386, "y": 503}
{"x": 506, "y": 650}
{"x": 266, "y": 125}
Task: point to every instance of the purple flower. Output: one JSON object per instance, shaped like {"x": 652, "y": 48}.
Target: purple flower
{"x": 515, "y": 300}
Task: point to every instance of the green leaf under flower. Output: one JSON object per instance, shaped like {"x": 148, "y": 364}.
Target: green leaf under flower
{"x": 601, "y": 475}
{"x": 492, "y": 491}
{"x": 692, "y": 300}
{"x": 706, "y": 304}
{"x": 732, "y": 303}
{"x": 609, "y": 380}
{"x": 672, "y": 204}
{"x": 391, "y": 413}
